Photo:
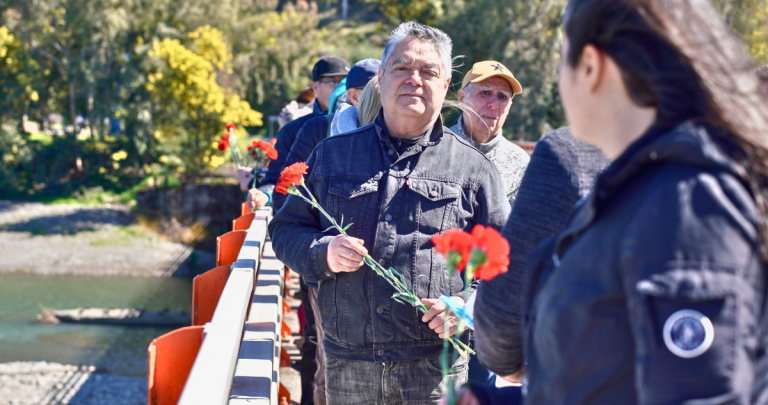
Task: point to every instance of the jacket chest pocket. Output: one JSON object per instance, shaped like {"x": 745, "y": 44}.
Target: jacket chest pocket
{"x": 437, "y": 202}
{"x": 357, "y": 201}
{"x": 697, "y": 322}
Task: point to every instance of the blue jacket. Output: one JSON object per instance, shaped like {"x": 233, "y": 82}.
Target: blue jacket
{"x": 396, "y": 204}
{"x": 285, "y": 139}
{"x": 313, "y": 131}
{"x": 655, "y": 292}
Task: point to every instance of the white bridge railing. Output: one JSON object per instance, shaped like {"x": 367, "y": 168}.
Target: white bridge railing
{"x": 239, "y": 359}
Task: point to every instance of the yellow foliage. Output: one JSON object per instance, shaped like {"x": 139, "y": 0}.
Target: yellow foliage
{"x": 118, "y": 156}
{"x": 216, "y": 161}
{"x": 191, "y": 79}
{"x": 759, "y": 39}
{"x": 14, "y": 58}
{"x": 187, "y": 85}
{"x": 210, "y": 44}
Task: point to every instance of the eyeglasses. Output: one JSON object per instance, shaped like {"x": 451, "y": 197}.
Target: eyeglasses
{"x": 331, "y": 82}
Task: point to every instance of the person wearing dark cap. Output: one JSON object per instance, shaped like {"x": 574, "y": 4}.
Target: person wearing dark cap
{"x": 326, "y": 74}
{"x": 345, "y": 119}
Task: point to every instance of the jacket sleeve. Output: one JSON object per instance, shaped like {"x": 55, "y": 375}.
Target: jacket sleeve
{"x": 695, "y": 288}
{"x": 297, "y": 236}
{"x": 300, "y": 150}
{"x": 285, "y": 139}
{"x": 548, "y": 195}
{"x": 491, "y": 203}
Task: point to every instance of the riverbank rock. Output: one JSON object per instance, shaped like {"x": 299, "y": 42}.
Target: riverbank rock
{"x": 54, "y": 383}
{"x": 106, "y": 240}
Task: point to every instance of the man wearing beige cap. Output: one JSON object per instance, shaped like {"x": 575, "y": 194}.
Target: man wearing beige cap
{"x": 486, "y": 96}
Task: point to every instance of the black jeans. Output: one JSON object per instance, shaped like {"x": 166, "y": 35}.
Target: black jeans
{"x": 408, "y": 382}
{"x": 308, "y": 365}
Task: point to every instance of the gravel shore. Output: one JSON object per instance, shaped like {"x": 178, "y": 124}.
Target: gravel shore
{"x": 46, "y": 383}
{"x": 83, "y": 240}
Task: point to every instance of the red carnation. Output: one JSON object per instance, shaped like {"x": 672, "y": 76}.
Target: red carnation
{"x": 490, "y": 252}
{"x": 292, "y": 175}
{"x": 230, "y": 127}
{"x": 225, "y": 137}
{"x": 268, "y": 149}
{"x": 223, "y": 144}
{"x": 273, "y": 141}
{"x": 455, "y": 245}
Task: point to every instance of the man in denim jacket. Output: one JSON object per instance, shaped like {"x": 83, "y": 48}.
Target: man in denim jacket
{"x": 399, "y": 182}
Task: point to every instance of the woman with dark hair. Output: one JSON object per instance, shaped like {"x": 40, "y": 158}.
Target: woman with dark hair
{"x": 655, "y": 292}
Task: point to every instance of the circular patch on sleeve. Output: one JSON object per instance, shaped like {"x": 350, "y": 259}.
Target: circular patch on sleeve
{"x": 688, "y": 333}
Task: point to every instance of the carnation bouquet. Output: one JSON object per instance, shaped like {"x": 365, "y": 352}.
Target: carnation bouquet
{"x": 483, "y": 254}
{"x": 261, "y": 152}
{"x": 291, "y": 178}
{"x": 229, "y": 142}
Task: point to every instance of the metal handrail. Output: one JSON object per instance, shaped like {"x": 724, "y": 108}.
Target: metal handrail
{"x": 210, "y": 380}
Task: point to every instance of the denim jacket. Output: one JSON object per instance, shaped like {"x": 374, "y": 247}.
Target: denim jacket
{"x": 396, "y": 203}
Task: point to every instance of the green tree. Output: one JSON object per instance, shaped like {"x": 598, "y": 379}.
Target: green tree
{"x": 428, "y": 12}
{"x": 525, "y": 36}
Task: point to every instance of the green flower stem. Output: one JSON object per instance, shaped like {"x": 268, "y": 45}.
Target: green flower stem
{"x": 445, "y": 356}
{"x": 391, "y": 276}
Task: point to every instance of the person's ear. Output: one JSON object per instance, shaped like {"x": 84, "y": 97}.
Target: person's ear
{"x": 461, "y": 94}
{"x": 315, "y": 87}
{"x": 380, "y": 75}
{"x": 592, "y": 67}
{"x": 447, "y": 83}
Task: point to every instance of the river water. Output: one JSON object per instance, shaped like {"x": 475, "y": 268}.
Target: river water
{"x": 114, "y": 349}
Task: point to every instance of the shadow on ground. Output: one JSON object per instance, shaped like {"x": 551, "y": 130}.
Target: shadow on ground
{"x": 85, "y": 388}
{"x": 5, "y": 206}
{"x": 70, "y": 224}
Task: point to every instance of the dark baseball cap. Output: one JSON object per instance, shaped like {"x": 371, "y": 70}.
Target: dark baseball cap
{"x": 330, "y": 66}
{"x": 362, "y": 72}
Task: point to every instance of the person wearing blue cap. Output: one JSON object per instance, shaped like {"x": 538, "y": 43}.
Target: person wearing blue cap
{"x": 345, "y": 119}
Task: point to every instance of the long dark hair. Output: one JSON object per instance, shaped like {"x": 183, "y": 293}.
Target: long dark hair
{"x": 681, "y": 57}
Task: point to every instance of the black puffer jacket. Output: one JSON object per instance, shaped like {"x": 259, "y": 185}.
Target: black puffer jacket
{"x": 655, "y": 291}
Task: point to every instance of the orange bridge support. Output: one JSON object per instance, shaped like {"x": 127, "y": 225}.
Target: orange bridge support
{"x": 243, "y": 222}
{"x": 206, "y": 291}
{"x": 228, "y": 247}
{"x": 170, "y": 359}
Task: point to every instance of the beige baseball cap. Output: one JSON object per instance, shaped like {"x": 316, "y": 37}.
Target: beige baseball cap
{"x": 489, "y": 68}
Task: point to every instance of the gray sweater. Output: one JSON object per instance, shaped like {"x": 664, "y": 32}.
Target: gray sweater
{"x": 562, "y": 170}
{"x": 510, "y": 159}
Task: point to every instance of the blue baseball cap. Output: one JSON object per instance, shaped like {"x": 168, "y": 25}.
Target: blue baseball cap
{"x": 362, "y": 72}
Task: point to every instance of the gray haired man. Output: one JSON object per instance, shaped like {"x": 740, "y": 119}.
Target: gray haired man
{"x": 486, "y": 93}
{"x": 399, "y": 181}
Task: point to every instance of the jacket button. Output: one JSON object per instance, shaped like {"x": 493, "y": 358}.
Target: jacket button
{"x": 380, "y": 352}
{"x": 388, "y": 217}
{"x": 380, "y": 310}
{"x": 433, "y": 193}
{"x": 391, "y": 152}
{"x": 395, "y": 168}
